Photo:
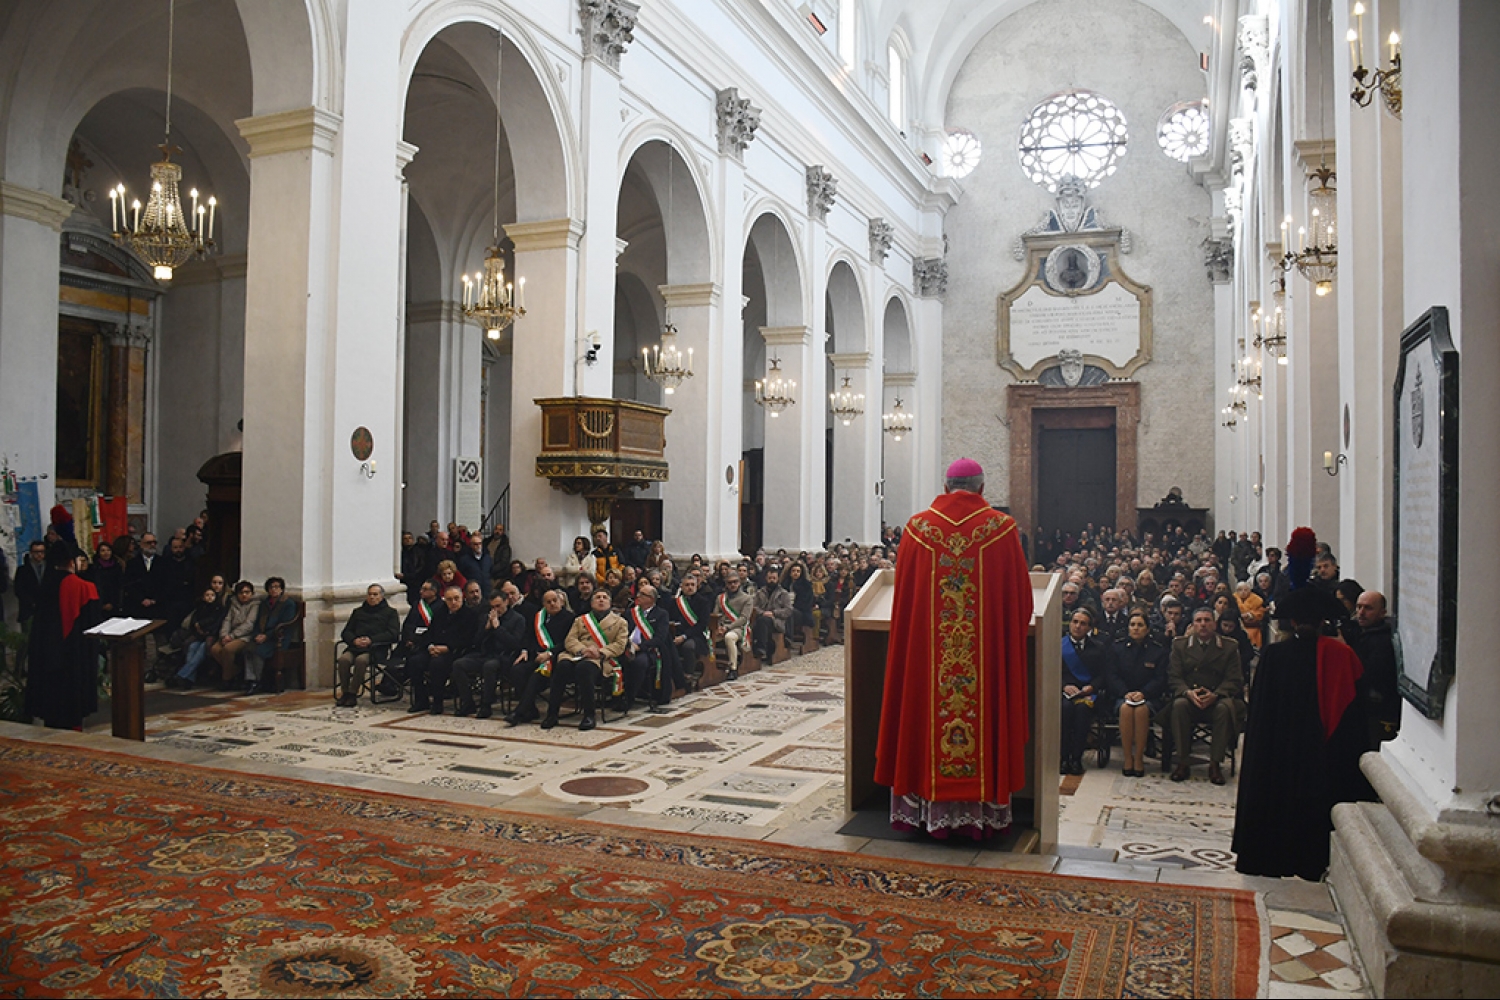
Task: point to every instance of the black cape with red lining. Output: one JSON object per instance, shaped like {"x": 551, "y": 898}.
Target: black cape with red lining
{"x": 1303, "y": 741}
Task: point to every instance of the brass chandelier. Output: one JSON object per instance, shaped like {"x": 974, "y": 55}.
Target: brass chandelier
{"x": 665, "y": 363}
{"x": 846, "y": 403}
{"x": 489, "y": 299}
{"x": 774, "y": 392}
{"x": 1369, "y": 82}
{"x": 1317, "y": 255}
{"x": 898, "y": 422}
{"x": 161, "y": 233}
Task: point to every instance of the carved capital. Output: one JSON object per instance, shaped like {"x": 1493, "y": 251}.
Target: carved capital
{"x": 1218, "y": 258}
{"x": 1241, "y": 144}
{"x": 607, "y": 27}
{"x": 822, "y": 190}
{"x": 37, "y": 206}
{"x": 929, "y": 277}
{"x": 1254, "y": 40}
{"x": 738, "y": 120}
{"x": 881, "y": 235}
{"x": 291, "y": 131}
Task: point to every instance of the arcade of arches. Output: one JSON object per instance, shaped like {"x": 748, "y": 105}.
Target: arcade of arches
{"x": 860, "y": 203}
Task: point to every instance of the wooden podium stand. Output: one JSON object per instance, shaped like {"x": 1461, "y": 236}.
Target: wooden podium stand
{"x": 867, "y": 623}
{"x": 127, "y": 684}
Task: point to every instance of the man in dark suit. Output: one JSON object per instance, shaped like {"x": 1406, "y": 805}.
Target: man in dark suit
{"x": 451, "y": 634}
{"x": 1112, "y": 621}
{"x": 1206, "y": 681}
{"x": 475, "y": 564}
{"x": 650, "y": 659}
{"x": 690, "y": 612}
{"x": 29, "y": 581}
{"x": 140, "y": 597}
{"x": 501, "y": 637}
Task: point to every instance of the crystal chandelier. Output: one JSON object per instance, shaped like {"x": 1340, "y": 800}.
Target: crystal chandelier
{"x": 489, "y": 299}
{"x": 774, "y": 392}
{"x": 1369, "y": 82}
{"x": 898, "y": 422}
{"x": 1317, "y": 255}
{"x": 1270, "y": 331}
{"x": 846, "y": 403}
{"x": 161, "y": 234}
{"x": 664, "y": 363}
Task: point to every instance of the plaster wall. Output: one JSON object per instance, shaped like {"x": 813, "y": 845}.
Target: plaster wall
{"x": 1100, "y": 46}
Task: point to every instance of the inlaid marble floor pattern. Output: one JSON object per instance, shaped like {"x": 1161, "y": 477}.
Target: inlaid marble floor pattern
{"x": 760, "y": 758}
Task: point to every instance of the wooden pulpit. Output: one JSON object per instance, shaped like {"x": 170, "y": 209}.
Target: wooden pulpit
{"x": 127, "y": 679}
{"x": 867, "y": 624}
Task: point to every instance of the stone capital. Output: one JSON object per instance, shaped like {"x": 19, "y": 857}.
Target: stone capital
{"x": 703, "y": 294}
{"x": 786, "y": 336}
{"x": 822, "y": 191}
{"x": 37, "y": 206}
{"x": 553, "y": 234}
{"x": 855, "y": 360}
{"x": 738, "y": 119}
{"x": 1313, "y": 153}
{"x": 897, "y": 380}
{"x": 405, "y": 153}
{"x": 607, "y": 27}
{"x": 290, "y": 131}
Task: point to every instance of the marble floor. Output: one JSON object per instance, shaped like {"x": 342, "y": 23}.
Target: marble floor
{"x": 760, "y": 758}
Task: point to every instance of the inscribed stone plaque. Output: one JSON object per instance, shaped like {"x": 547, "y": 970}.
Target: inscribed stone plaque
{"x": 1425, "y": 561}
{"x": 1106, "y": 324}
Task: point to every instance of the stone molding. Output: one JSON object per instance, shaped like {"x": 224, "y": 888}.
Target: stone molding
{"x": 703, "y": 294}
{"x": 405, "y": 153}
{"x": 738, "y": 119}
{"x": 554, "y": 234}
{"x": 608, "y": 28}
{"x": 290, "y": 131}
{"x": 929, "y": 277}
{"x": 435, "y": 311}
{"x": 854, "y": 360}
{"x": 1313, "y": 153}
{"x": 882, "y": 234}
{"x": 822, "y": 192}
{"x": 898, "y": 379}
{"x": 786, "y": 336}
{"x": 35, "y": 206}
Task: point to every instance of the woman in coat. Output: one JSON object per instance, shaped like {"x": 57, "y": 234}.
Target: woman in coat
{"x": 271, "y": 632}
{"x": 1137, "y": 683}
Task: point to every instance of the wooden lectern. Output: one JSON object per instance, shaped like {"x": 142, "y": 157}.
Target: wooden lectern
{"x": 127, "y": 683}
{"x": 867, "y": 624}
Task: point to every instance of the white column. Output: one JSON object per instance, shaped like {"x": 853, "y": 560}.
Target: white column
{"x": 926, "y": 403}
{"x": 599, "y": 126}
{"x": 723, "y": 370}
{"x": 694, "y": 458}
{"x": 788, "y": 452}
{"x": 856, "y": 463}
{"x": 30, "y": 222}
{"x": 812, "y": 399}
{"x": 545, "y": 358}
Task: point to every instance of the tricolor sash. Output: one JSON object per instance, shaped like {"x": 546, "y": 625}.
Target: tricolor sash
{"x": 424, "y": 612}
{"x": 725, "y": 613}
{"x": 687, "y": 611}
{"x": 597, "y": 634}
{"x": 643, "y": 624}
{"x": 545, "y": 640}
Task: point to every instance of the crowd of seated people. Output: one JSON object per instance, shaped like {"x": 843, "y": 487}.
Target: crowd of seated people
{"x": 622, "y": 625}
{"x": 1167, "y": 630}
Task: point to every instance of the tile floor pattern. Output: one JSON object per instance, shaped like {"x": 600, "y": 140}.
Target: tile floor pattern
{"x": 760, "y": 758}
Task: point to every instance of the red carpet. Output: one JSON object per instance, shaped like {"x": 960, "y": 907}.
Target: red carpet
{"x": 123, "y": 877}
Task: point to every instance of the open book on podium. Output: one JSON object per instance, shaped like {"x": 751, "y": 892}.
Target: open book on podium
{"x": 118, "y": 628}
{"x": 867, "y": 624}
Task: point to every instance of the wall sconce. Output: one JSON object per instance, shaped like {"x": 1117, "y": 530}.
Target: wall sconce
{"x": 1331, "y": 462}
{"x": 367, "y": 469}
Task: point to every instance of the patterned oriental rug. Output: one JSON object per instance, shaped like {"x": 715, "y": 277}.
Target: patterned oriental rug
{"x": 125, "y": 877}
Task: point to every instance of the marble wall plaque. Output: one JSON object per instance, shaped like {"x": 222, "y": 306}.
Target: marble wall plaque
{"x": 1106, "y": 324}
{"x": 1425, "y": 561}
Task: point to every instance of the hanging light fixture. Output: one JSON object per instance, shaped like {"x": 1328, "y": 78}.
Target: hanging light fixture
{"x": 1317, "y": 255}
{"x": 774, "y": 392}
{"x": 489, "y": 299}
{"x": 1270, "y": 329}
{"x": 846, "y": 403}
{"x": 664, "y": 363}
{"x": 1369, "y": 82}
{"x": 898, "y": 422}
{"x": 161, "y": 234}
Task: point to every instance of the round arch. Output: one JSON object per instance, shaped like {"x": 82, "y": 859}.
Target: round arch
{"x": 779, "y": 261}
{"x": 548, "y": 184}
{"x": 896, "y": 341}
{"x": 845, "y": 306}
{"x": 692, "y": 236}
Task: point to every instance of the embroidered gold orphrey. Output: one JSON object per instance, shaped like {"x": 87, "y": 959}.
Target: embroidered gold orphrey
{"x": 959, "y": 701}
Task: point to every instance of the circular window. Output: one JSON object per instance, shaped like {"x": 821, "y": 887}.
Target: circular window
{"x": 1183, "y": 131}
{"x": 1073, "y": 134}
{"x": 961, "y": 152}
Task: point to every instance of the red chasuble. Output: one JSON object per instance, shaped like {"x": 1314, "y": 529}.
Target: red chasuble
{"x": 953, "y": 726}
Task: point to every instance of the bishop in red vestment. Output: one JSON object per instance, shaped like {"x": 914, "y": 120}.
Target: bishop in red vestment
{"x": 953, "y": 725}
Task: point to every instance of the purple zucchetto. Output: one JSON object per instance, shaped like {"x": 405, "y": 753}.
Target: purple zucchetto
{"x": 964, "y": 468}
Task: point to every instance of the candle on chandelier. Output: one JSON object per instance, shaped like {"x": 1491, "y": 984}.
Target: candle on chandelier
{"x": 194, "y": 195}
{"x": 1395, "y": 43}
{"x": 137, "y": 206}
{"x": 521, "y": 298}
{"x": 212, "y": 204}
{"x": 114, "y": 204}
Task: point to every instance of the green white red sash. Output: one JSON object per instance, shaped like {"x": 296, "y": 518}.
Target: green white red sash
{"x": 597, "y": 633}
{"x": 544, "y": 639}
{"x": 724, "y": 611}
{"x": 642, "y": 623}
{"x": 687, "y": 611}
{"x": 424, "y": 612}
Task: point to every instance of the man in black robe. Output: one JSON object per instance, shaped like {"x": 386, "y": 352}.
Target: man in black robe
{"x": 1303, "y": 741}
{"x": 1376, "y": 646}
{"x": 62, "y": 673}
